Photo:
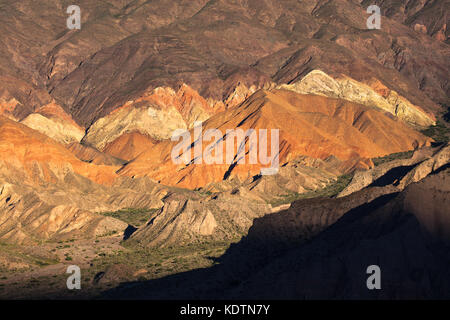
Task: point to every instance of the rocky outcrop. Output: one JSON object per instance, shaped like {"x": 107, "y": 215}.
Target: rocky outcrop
{"x": 54, "y": 128}
{"x": 41, "y": 159}
{"x": 68, "y": 208}
{"x": 315, "y": 126}
{"x": 46, "y": 193}
{"x": 283, "y": 41}
{"x": 86, "y": 118}
{"x": 188, "y": 221}
{"x": 227, "y": 211}
{"x": 55, "y": 123}
{"x": 148, "y": 119}
{"x": 91, "y": 77}
{"x": 428, "y": 17}
{"x": 224, "y": 211}
{"x": 166, "y": 110}
{"x": 92, "y": 155}
{"x": 7, "y": 107}
{"x": 25, "y": 219}
{"x": 58, "y": 194}
{"x": 396, "y": 233}
{"x": 378, "y": 96}
{"x": 305, "y": 219}
{"x": 189, "y": 103}
{"x": 322, "y": 248}
{"x": 400, "y": 172}
{"x": 437, "y": 162}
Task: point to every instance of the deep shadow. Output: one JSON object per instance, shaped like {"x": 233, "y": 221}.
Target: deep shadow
{"x": 393, "y": 176}
{"x": 230, "y": 169}
{"x": 443, "y": 168}
{"x": 98, "y": 277}
{"x": 282, "y": 258}
{"x": 129, "y": 231}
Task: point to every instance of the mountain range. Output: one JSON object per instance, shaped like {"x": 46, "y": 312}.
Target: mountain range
{"x": 87, "y": 131}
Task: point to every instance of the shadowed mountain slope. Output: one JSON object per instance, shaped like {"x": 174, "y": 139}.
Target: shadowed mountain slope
{"x": 321, "y": 249}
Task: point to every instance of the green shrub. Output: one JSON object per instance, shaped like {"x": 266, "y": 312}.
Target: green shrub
{"x": 392, "y": 156}
{"x": 440, "y": 132}
{"x": 134, "y": 217}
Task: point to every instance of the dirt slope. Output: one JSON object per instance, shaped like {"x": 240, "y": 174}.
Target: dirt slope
{"x": 315, "y": 126}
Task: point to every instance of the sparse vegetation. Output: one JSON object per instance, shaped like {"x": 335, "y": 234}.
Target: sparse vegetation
{"x": 329, "y": 191}
{"x": 332, "y": 189}
{"x": 440, "y": 132}
{"x": 393, "y": 156}
{"x": 25, "y": 257}
{"x": 160, "y": 262}
{"x": 285, "y": 198}
{"x": 204, "y": 192}
{"x": 134, "y": 217}
{"x": 109, "y": 233}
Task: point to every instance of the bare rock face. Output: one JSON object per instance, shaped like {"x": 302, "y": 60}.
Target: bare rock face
{"x": 225, "y": 210}
{"x": 148, "y": 119}
{"x": 117, "y": 55}
{"x": 25, "y": 218}
{"x": 19, "y": 97}
{"x": 7, "y": 107}
{"x": 318, "y": 82}
{"x": 48, "y": 193}
{"x": 391, "y": 178}
{"x": 405, "y": 235}
{"x": 52, "y": 121}
{"x": 32, "y": 163}
{"x": 435, "y": 163}
{"x": 207, "y": 225}
{"x": 400, "y": 172}
{"x": 182, "y": 221}
{"x": 86, "y": 118}
{"x": 232, "y": 205}
{"x": 68, "y": 207}
{"x": 428, "y": 17}
{"x": 54, "y": 128}
{"x": 67, "y": 210}
{"x": 92, "y": 155}
{"x": 41, "y": 158}
{"x": 157, "y": 114}
{"x": 189, "y": 103}
{"x": 49, "y": 119}
{"x": 321, "y": 249}
{"x": 315, "y": 126}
